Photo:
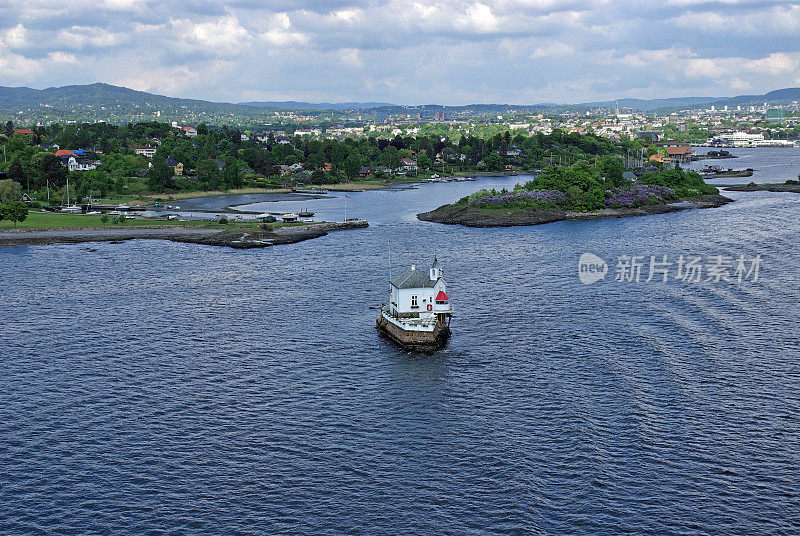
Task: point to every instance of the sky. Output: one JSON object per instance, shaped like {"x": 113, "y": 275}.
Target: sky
{"x": 405, "y": 52}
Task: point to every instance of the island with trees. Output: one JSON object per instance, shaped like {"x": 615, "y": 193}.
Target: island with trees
{"x": 601, "y": 189}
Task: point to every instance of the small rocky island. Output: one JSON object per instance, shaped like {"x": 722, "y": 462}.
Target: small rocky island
{"x": 582, "y": 192}
{"x": 235, "y": 238}
{"x": 791, "y": 186}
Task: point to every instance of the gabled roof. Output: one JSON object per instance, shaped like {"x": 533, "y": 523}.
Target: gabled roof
{"x": 171, "y": 162}
{"x": 442, "y": 296}
{"x": 413, "y": 278}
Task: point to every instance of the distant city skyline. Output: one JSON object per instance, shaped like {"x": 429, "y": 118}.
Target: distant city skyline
{"x": 449, "y": 52}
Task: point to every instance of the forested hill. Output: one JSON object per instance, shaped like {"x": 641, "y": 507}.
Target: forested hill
{"x": 114, "y": 104}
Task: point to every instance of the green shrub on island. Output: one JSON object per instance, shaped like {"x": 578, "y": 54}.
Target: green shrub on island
{"x": 585, "y": 187}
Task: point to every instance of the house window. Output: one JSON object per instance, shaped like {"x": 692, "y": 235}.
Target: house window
{"x": 414, "y": 303}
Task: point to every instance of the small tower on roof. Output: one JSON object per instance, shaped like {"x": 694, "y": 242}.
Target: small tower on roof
{"x": 436, "y": 272}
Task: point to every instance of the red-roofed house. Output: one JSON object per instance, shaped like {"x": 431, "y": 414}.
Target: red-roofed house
{"x": 65, "y": 152}
{"x": 23, "y": 131}
{"x": 190, "y": 131}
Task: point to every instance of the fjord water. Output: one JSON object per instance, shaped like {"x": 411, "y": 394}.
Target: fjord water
{"x": 150, "y": 387}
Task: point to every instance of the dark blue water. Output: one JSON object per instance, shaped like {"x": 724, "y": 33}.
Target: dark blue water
{"x": 150, "y": 387}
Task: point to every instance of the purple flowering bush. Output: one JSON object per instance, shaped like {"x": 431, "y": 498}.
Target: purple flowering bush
{"x": 638, "y": 195}
{"x": 526, "y": 198}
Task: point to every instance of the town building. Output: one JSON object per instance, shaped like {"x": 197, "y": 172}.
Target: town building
{"x": 79, "y": 163}
{"x": 144, "y": 150}
{"x": 174, "y": 164}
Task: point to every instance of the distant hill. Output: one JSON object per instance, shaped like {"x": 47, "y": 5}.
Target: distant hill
{"x": 96, "y": 102}
{"x": 779, "y": 96}
{"x": 298, "y": 105}
{"x": 114, "y": 104}
{"x": 96, "y": 96}
{"x": 650, "y": 105}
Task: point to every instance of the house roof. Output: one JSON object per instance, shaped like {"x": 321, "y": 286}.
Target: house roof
{"x": 442, "y": 296}
{"x": 171, "y": 162}
{"x": 64, "y": 152}
{"x": 23, "y": 131}
{"x": 679, "y": 150}
{"x": 413, "y": 278}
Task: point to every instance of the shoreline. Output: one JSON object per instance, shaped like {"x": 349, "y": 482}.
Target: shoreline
{"x": 238, "y": 239}
{"x": 472, "y": 217}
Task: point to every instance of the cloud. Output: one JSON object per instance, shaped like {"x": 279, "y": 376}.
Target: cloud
{"x": 406, "y": 51}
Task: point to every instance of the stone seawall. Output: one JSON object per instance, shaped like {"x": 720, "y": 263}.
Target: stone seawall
{"x": 414, "y": 340}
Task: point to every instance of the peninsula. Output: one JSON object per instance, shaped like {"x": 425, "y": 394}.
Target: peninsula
{"x": 244, "y": 236}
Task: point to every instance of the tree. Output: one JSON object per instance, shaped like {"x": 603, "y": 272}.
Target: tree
{"x": 16, "y": 172}
{"x": 494, "y": 162}
{"x": 159, "y": 176}
{"x": 208, "y": 174}
{"x": 424, "y": 161}
{"x": 352, "y": 165}
{"x": 46, "y": 168}
{"x": 10, "y": 191}
{"x": 613, "y": 169}
{"x": 16, "y": 211}
{"x": 231, "y": 178}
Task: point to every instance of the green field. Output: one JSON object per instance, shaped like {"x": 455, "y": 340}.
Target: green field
{"x": 38, "y": 220}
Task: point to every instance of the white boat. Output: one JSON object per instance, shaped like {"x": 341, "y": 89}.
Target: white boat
{"x": 289, "y": 217}
{"x": 71, "y": 209}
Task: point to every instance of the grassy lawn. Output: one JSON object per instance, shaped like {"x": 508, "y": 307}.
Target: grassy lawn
{"x": 37, "y": 220}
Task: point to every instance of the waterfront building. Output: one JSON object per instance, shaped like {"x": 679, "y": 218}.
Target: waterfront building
{"x": 418, "y": 313}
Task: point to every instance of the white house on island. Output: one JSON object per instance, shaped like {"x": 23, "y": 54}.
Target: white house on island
{"x": 418, "y": 294}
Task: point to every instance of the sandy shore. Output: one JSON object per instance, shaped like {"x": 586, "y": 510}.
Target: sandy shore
{"x": 240, "y": 239}
{"x": 476, "y": 217}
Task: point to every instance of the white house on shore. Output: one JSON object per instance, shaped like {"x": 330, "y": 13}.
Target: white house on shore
{"x": 144, "y": 150}
{"x": 418, "y": 294}
{"x": 77, "y": 163}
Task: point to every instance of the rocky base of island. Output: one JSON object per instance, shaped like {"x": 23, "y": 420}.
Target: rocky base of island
{"x": 472, "y": 216}
{"x": 240, "y": 239}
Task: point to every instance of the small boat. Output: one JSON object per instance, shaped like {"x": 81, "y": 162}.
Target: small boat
{"x": 289, "y": 217}
{"x": 305, "y": 214}
{"x": 72, "y": 209}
